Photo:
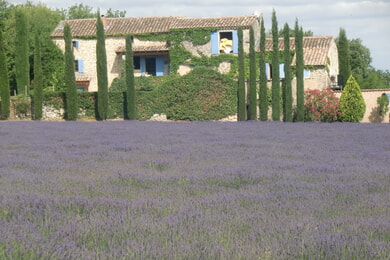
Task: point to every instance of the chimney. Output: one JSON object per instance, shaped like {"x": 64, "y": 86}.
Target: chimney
{"x": 104, "y": 21}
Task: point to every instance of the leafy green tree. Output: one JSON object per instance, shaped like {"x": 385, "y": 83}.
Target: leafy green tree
{"x": 79, "y": 11}
{"x": 287, "y": 90}
{"x": 52, "y": 56}
{"x": 70, "y": 78}
{"x": 299, "y": 72}
{"x": 115, "y": 13}
{"x": 130, "y": 84}
{"x": 241, "y": 78}
{"x": 376, "y": 79}
{"x": 3, "y": 9}
{"x": 275, "y": 70}
{"x": 42, "y": 18}
{"x": 252, "y": 77}
{"x": 22, "y": 64}
{"x": 352, "y": 105}
{"x": 360, "y": 58}
{"x": 101, "y": 68}
{"x": 38, "y": 78}
{"x": 344, "y": 56}
{"x": 263, "y": 76}
{"x": 4, "y": 83}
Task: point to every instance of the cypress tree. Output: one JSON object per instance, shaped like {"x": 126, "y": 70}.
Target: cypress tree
{"x": 263, "y": 76}
{"x": 101, "y": 68}
{"x": 299, "y": 72}
{"x": 130, "y": 85}
{"x": 252, "y": 79}
{"x": 344, "y": 56}
{"x": 70, "y": 78}
{"x": 287, "y": 91}
{"x": 352, "y": 105}
{"x": 275, "y": 70}
{"x": 22, "y": 65}
{"x": 4, "y": 82}
{"x": 241, "y": 77}
{"x": 38, "y": 78}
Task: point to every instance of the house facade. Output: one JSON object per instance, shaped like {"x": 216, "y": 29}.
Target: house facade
{"x": 320, "y": 58}
{"x": 152, "y": 51}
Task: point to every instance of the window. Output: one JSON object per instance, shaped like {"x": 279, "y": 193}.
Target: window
{"x": 268, "y": 70}
{"x": 75, "y": 44}
{"x": 137, "y": 62}
{"x": 224, "y": 42}
{"x": 79, "y": 66}
{"x": 151, "y": 65}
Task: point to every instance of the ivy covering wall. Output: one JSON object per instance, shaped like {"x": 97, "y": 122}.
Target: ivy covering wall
{"x": 155, "y": 94}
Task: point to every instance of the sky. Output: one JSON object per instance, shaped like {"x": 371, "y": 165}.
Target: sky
{"x": 367, "y": 20}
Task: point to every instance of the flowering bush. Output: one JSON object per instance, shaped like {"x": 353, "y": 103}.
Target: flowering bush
{"x": 321, "y": 105}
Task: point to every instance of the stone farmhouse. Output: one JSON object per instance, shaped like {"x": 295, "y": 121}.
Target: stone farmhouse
{"x": 320, "y": 57}
{"x": 151, "y": 57}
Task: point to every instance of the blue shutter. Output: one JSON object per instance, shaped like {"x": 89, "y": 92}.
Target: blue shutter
{"x": 214, "y": 43}
{"x": 76, "y": 44}
{"x": 306, "y": 73}
{"x": 281, "y": 70}
{"x": 81, "y": 65}
{"x": 159, "y": 66}
{"x": 235, "y": 42}
{"x": 267, "y": 70}
{"x": 142, "y": 61}
{"x": 388, "y": 96}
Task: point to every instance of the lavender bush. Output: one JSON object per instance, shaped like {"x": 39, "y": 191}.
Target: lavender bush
{"x": 200, "y": 190}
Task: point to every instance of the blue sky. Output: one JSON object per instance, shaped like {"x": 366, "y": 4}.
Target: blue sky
{"x": 367, "y": 20}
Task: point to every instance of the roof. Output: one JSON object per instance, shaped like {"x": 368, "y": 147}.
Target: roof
{"x": 315, "y": 48}
{"x": 134, "y": 25}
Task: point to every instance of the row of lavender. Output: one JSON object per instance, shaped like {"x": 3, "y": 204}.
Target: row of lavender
{"x": 201, "y": 190}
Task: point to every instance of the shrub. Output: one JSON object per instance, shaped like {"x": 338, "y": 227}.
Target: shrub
{"x": 321, "y": 105}
{"x": 383, "y": 103}
{"x": 22, "y": 106}
{"x": 352, "y": 105}
{"x": 203, "y": 94}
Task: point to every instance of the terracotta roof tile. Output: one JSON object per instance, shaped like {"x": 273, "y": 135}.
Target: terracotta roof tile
{"x": 133, "y": 25}
{"x": 315, "y": 49}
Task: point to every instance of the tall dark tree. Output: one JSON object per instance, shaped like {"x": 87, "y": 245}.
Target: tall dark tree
{"x": 275, "y": 70}
{"x": 70, "y": 78}
{"x": 38, "y": 78}
{"x": 252, "y": 77}
{"x": 263, "y": 75}
{"x": 4, "y": 82}
{"x": 344, "y": 56}
{"x": 241, "y": 78}
{"x": 101, "y": 68}
{"x": 22, "y": 65}
{"x": 130, "y": 85}
{"x": 299, "y": 72}
{"x": 287, "y": 91}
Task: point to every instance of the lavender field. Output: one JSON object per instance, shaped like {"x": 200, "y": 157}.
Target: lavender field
{"x": 199, "y": 190}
